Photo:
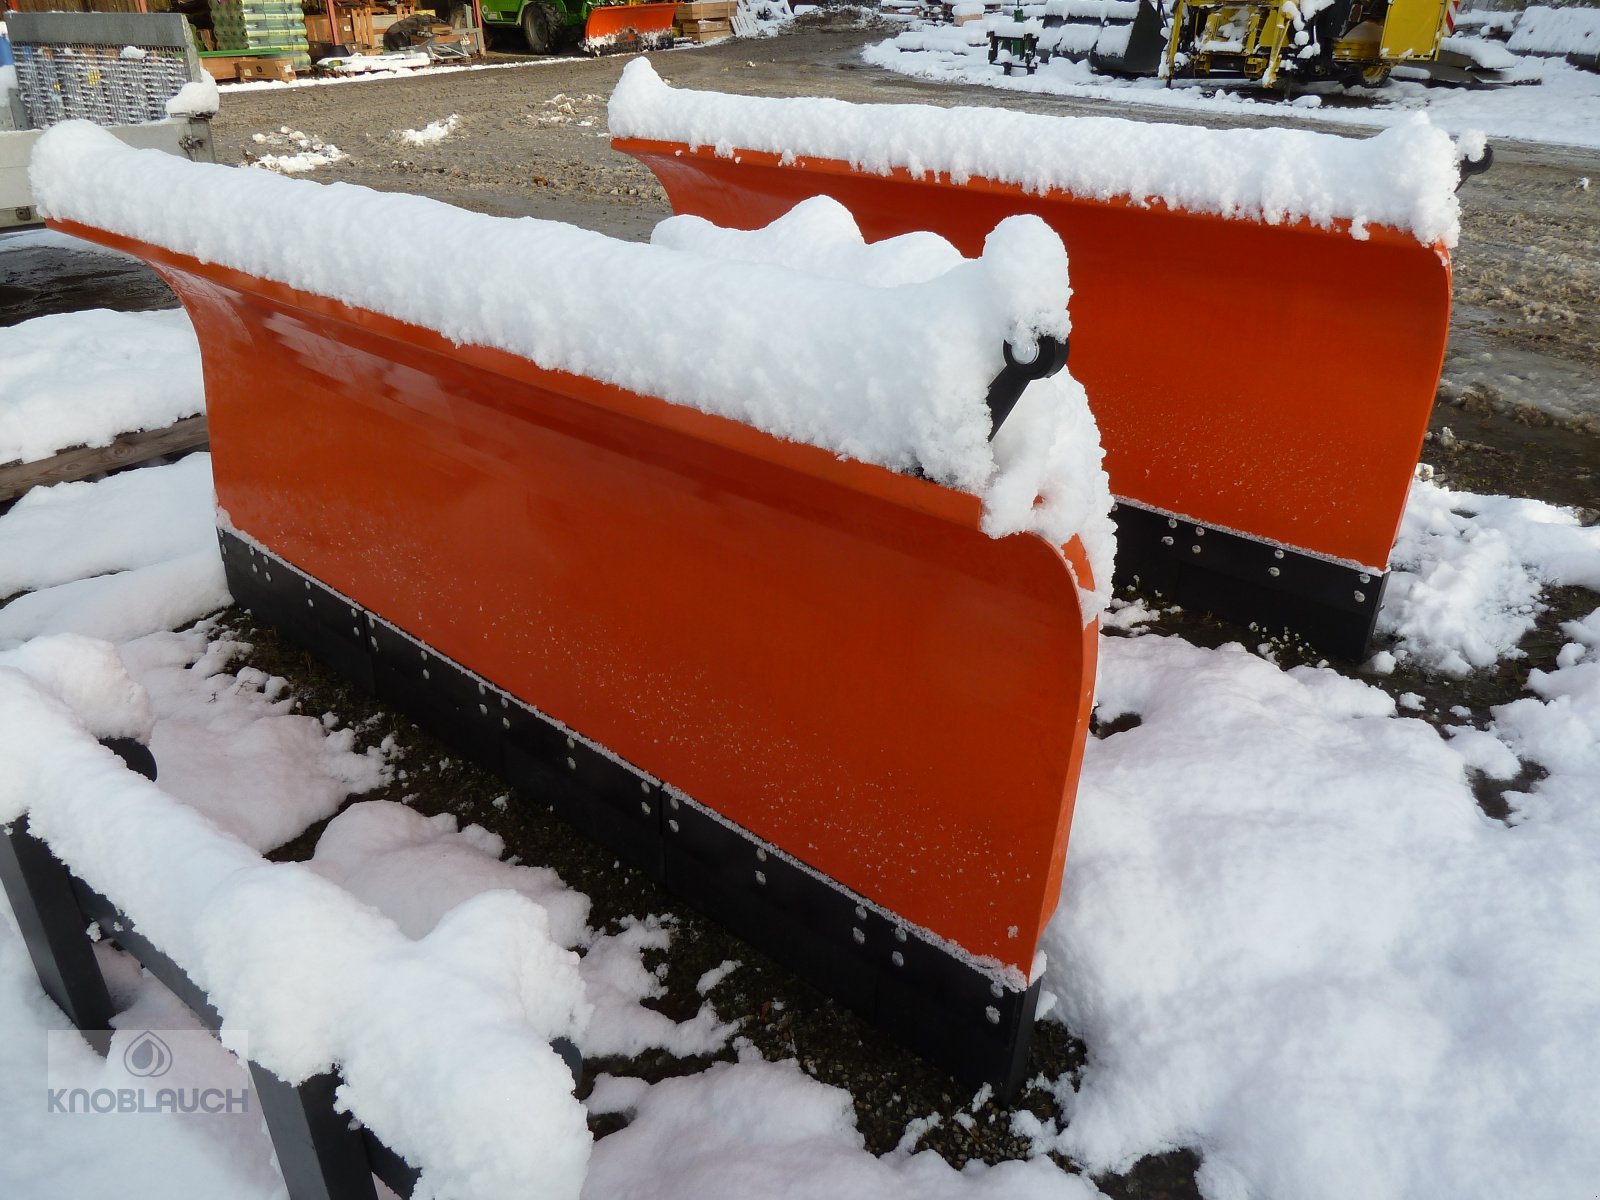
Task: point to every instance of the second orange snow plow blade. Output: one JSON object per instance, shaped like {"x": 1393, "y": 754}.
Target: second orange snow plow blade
{"x": 808, "y": 693}
{"x": 1262, "y": 382}
{"x": 624, "y": 28}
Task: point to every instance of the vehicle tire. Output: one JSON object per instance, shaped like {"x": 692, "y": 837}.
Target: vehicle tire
{"x": 398, "y": 35}
{"x": 540, "y": 26}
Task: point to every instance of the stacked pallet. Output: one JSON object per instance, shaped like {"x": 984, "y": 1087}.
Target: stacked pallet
{"x": 705, "y": 20}
{"x": 262, "y": 25}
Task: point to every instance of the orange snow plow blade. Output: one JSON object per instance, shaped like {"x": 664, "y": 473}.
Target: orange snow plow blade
{"x": 620, "y": 28}
{"x": 1262, "y": 390}
{"x": 808, "y": 694}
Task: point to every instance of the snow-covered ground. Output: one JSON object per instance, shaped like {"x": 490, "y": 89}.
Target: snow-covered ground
{"x": 1551, "y": 102}
{"x": 1289, "y": 937}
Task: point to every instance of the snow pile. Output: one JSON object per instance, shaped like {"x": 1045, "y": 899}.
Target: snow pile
{"x": 1542, "y": 30}
{"x": 116, "y": 559}
{"x": 1467, "y": 572}
{"x": 302, "y": 152}
{"x": 1559, "y": 729}
{"x": 314, "y": 977}
{"x": 1290, "y": 939}
{"x": 197, "y": 98}
{"x": 759, "y": 1129}
{"x": 129, "y": 371}
{"x": 214, "y": 728}
{"x": 71, "y": 531}
{"x": 892, "y": 376}
{"x": 415, "y": 869}
{"x": 433, "y": 131}
{"x": 1404, "y": 177}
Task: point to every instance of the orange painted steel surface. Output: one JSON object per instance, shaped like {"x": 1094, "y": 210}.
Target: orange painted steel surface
{"x": 609, "y": 20}
{"x": 827, "y": 653}
{"x": 1275, "y": 380}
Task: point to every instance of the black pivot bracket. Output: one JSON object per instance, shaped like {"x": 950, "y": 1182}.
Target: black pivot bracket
{"x": 1015, "y": 377}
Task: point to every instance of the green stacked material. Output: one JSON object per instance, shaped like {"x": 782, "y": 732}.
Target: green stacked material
{"x": 261, "y": 25}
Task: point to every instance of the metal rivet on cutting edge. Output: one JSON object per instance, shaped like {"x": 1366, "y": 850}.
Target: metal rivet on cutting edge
{"x": 674, "y": 802}
{"x": 1194, "y": 549}
{"x": 672, "y": 825}
{"x": 761, "y": 878}
{"x": 571, "y": 745}
{"x": 1361, "y": 597}
{"x": 995, "y": 989}
{"x": 1166, "y": 541}
{"x": 1172, "y": 522}
{"x": 898, "y": 959}
{"x": 572, "y": 764}
{"x": 900, "y": 935}
{"x": 761, "y": 855}
{"x": 309, "y": 603}
{"x": 861, "y": 913}
{"x": 425, "y": 674}
{"x": 857, "y": 936}
{"x": 1199, "y": 531}
{"x": 505, "y": 722}
{"x": 505, "y": 702}
{"x": 374, "y": 642}
{"x": 1273, "y": 571}
{"x": 993, "y": 1014}
{"x": 424, "y": 654}
{"x": 644, "y": 786}
{"x": 269, "y": 576}
{"x": 356, "y": 629}
{"x": 1366, "y": 579}
{"x": 483, "y": 710}
{"x": 644, "y": 807}
{"x": 1277, "y": 554}
{"x": 307, "y": 584}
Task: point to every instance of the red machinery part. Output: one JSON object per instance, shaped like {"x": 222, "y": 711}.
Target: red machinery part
{"x": 1262, "y": 390}
{"x": 626, "y": 27}
{"x": 752, "y": 651}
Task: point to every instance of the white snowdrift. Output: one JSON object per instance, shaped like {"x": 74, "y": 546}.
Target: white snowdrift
{"x": 129, "y": 371}
{"x": 1290, "y": 938}
{"x": 891, "y": 376}
{"x": 1469, "y": 571}
{"x": 1404, "y": 177}
{"x": 1542, "y": 30}
{"x": 442, "y": 1042}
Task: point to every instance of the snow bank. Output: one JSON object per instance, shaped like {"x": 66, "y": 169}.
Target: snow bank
{"x": 1468, "y": 571}
{"x": 1404, "y": 177}
{"x": 1290, "y": 938}
{"x": 896, "y": 377}
{"x": 1543, "y": 30}
{"x": 70, "y": 531}
{"x": 80, "y": 379}
{"x": 442, "y": 1042}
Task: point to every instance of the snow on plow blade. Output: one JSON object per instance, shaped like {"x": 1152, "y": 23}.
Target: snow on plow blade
{"x": 1259, "y": 316}
{"x": 807, "y": 693}
{"x": 620, "y": 28}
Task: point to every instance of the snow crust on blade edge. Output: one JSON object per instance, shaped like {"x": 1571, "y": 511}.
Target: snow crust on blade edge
{"x": 891, "y": 376}
{"x": 1404, "y": 177}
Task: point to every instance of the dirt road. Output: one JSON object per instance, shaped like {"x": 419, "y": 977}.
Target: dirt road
{"x": 532, "y": 140}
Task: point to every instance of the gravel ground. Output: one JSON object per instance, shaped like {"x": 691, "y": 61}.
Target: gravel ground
{"x": 1519, "y": 393}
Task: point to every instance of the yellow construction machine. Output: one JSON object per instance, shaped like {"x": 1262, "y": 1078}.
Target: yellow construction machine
{"x": 1275, "y": 41}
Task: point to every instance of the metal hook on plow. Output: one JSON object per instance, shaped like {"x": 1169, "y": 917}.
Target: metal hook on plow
{"x": 1015, "y": 377}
